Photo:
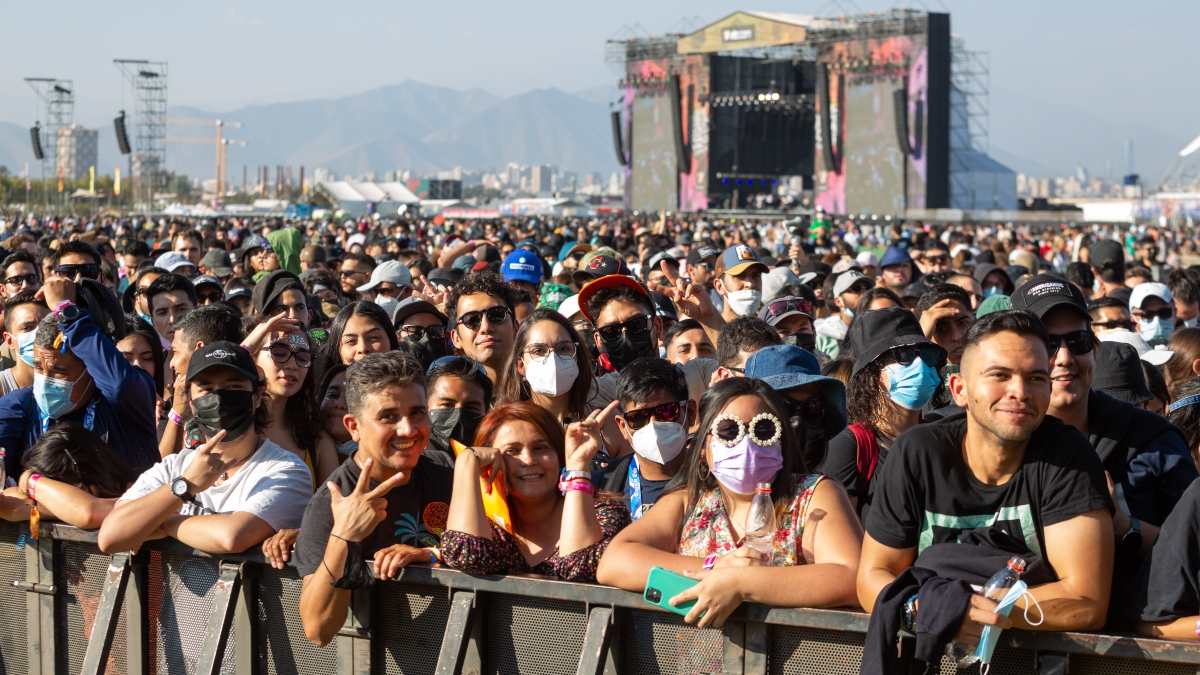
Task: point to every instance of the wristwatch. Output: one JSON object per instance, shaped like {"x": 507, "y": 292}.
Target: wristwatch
{"x": 1132, "y": 541}
{"x": 181, "y": 489}
{"x": 68, "y": 312}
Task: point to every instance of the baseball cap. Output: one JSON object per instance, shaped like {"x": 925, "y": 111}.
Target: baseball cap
{"x": 775, "y": 281}
{"x": 600, "y": 266}
{"x": 809, "y": 271}
{"x": 741, "y": 259}
{"x": 414, "y": 305}
{"x": 702, "y": 253}
{"x": 572, "y": 247}
{"x": 895, "y": 256}
{"x": 663, "y": 306}
{"x": 256, "y": 241}
{"x": 223, "y": 353}
{"x": 464, "y": 263}
{"x": 846, "y": 280}
{"x": 1106, "y": 251}
{"x": 272, "y": 286}
{"x": 1147, "y": 290}
{"x": 1155, "y": 356}
{"x": 391, "y": 271}
{"x": 867, "y": 259}
{"x": 237, "y": 289}
{"x": 609, "y": 281}
{"x": 521, "y": 265}
{"x": 873, "y": 333}
{"x": 207, "y": 279}
{"x": 172, "y": 260}
{"x": 1045, "y": 292}
{"x": 996, "y": 303}
{"x": 217, "y": 262}
{"x": 788, "y": 366}
{"x": 1118, "y": 373}
{"x": 569, "y": 307}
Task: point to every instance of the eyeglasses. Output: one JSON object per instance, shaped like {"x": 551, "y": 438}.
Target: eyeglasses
{"x": 638, "y": 324}
{"x": 281, "y": 354}
{"x": 812, "y": 410}
{"x": 215, "y": 296}
{"x": 930, "y": 354}
{"x": 495, "y": 315}
{"x": 1080, "y": 342}
{"x": 86, "y": 270}
{"x": 417, "y": 332}
{"x": 22, "y": 280}
{"x": 665, "y": 412}
{"x": 763, "y": 430}
{"x": 564, "y": 349}
{"x": 1127, "y": 325}
{"x": 781, "y": 307}
{"x": 1163, "y": 313}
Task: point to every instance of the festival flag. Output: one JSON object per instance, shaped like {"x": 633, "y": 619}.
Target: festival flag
{"x": 117, "y": 182}
{"x": 60, "y": 179}
{"x": 92, "y": 180}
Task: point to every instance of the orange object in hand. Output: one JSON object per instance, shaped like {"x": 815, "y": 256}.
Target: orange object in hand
{"x": 495, "y": 502}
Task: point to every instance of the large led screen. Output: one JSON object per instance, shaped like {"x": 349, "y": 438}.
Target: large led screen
{"x": 655, "y": 176}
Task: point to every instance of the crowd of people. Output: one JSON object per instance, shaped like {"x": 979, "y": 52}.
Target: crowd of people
{"x": 588, "y": 400}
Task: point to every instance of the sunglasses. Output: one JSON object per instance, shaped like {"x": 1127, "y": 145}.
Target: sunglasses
{"x": 665, "y": 412}
{"x": 931, "y": 355}
{"x": 345, "y": 274}
{"x": 22, "y": 280}
{"x": 1163, "y": 313}
{"x": 781, "y": 307}
{"x": 1080, "y": 342}
{"x": 938, "y": 259}
{"x": 1127, "y": 325}
{"x": 281, "y": 354}
{"x": 418, "y": 332}
{"x": 812, "y": 410}
{"x": 763, "y": 430}
{"x": 215, "y": 296}
{"x": 638, "y": 324}
{"x": 495, "y": 315}
{"x": 564, "y": 349}
{"x": 86, "y": 270}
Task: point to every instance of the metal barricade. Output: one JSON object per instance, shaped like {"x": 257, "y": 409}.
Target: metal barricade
{"x": 171, "y": 610}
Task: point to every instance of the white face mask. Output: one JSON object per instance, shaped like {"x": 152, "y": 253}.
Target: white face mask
{"x": 744, "y": 302}
{"x": 387, "y": 304}
{"x": 659, "y": 442}
{"x": 552, "y": 375}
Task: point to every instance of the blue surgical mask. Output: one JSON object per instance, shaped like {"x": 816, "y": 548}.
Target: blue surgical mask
{"x": 848, "y": 313}
{"x": 146, "y": 318}
{"x": 992, "y": 290}
{"x": 1156, "y": 329}
{"x": 347, "y": 448}
{"x": 662, "y": 352}
{"x": 913, "y": 385}
{"x": 1192, "y": 322}
{"x": 25, "y": 346}
{"x": 53, "y": 396}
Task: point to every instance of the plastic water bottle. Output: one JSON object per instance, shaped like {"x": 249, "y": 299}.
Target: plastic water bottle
{"x": 760, "y": 522}
{"x": 995, "y": 589}
{"x": 3, "y": 470}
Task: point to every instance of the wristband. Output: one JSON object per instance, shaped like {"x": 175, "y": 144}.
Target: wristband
{"x": 175, "y": 417}
{"x": 29, "y": 486}
{"x": 710, "y": 561}
{"x": 433, "y": 559}
{"x": 575, "y": 475}
{"x": 583, "y": 486}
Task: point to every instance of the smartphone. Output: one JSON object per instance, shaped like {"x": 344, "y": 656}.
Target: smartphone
{"x": 662, "y": 585}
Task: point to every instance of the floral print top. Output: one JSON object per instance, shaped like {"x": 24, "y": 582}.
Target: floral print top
{"x": 707, "y": 530}
{"x": 501, "y": 555}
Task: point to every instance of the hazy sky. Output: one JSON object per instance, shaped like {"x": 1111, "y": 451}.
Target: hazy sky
{"x": 1069, "y": 79}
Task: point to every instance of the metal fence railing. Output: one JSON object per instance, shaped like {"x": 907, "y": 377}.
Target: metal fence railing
{"x": 170, "y": 610}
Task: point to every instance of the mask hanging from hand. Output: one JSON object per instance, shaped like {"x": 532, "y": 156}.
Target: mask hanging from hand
{"x": 228, "y": 409}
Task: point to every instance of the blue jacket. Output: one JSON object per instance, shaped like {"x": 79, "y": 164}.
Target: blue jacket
{"x": 124, "y": 396}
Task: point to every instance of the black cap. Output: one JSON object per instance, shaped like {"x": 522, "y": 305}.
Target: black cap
{"x": 664, "y": 306}
{"x": 873, "y": 333}
{"x": 600, "y": 266}
{"x": 812, "y": 269}
{"x": 1045, "y": 292}
{"x": 217, "y": 262}
{"x": 414, "y": 305}
{"x": 702, "y": 253}
{"x": 223, "y": 353}
{"x": 1106, "y": 251}
{"x": 272, "y": 286}
{"x": 1118, "y": 373}
{"x": 444, "y": 276}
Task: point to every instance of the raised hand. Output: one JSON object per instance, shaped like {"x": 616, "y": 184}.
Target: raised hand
{"x": 57, "y": 290}
{"x": 207, "y": 465}
{"x": 356, "y": 514}
{"x": 584, "y": 439}
{"x": 278, "y": 323}
{"x": 435, "y": 296}
{"x": 691, "y": 299}
{"x": 940, "y": 310}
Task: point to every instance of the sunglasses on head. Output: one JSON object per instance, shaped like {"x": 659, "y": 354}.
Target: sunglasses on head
{"x": 664, "y": 412}
{"x": 280, "y": 354}
{"x": 637, "y": 324}
{"x": 86, "y": 270}
{"x": 781, "y": 307}
{"x": 418, "y": 332}
{"x": 812, "y": 410}
{"x": 451, "y": 359}
{"x": 931, "y": 355}
{"x": 495, "y": 315}
{"x": 763, "y": 430}
{"x": 1163, "y": 313}
{"x": 1080, "y": 342}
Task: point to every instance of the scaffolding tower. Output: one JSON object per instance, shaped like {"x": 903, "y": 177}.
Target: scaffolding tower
{"x": 58, "y": 101}
{"x": 970, "y": 73}
{"x": 148, "y": 163}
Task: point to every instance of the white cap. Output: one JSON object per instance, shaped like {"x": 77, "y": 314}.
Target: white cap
{"x": 172, "y": 260}
{"x": 867, "y": 259}
{"x": 1150, "y": 288}
{"x": 392, "y": 271}
{"x": 569, "y": 307}
{"x": 1155, "y": 356}
{"x": 846, "y": 280}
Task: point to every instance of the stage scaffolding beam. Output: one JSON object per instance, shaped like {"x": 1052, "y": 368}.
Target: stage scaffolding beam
{"x": 148, "y": 163}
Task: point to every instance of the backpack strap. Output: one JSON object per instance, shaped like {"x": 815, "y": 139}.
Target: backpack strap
{"x": 866, "y": 457}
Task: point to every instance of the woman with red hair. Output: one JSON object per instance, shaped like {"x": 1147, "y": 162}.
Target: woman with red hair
{"x": 558, "y": 528}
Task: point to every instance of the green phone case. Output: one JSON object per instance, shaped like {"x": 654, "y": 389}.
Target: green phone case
{"x": 662, "y": 585}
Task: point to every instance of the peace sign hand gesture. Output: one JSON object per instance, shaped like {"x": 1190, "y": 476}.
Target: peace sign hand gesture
{"x": 584, "y": 439}
{"x": 356, "y": 514}
{"x": 207, "y": 466}
{"x": 433, "y": 294}
{"x": 691, "y": 299}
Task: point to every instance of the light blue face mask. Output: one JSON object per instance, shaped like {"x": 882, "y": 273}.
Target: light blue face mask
{"x": 1192, "y": 322}
{"x": 849, "y": 313}
{"x": 662, "y": 352}
{"x": 913, "y": 385}
{"x": 25, "y": 346}
{"x": 53, "y": 396}
{"x": 347, "y": 448}
{"x": 992, "y": 290}
{"x": 1156, "y": 329}
{"x": 147, "y": 319}
{"x": 991, "y": 634}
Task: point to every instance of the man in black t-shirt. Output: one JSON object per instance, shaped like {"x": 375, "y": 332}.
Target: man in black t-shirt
{"x": 1003, "y": 464}
{"x": 385, "y": 502}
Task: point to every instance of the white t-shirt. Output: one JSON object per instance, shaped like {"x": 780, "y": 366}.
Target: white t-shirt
{"x": 274, "y": 484}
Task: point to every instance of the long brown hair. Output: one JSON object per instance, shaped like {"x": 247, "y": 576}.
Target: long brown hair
{"x": 531, "y": 413}
{"x": 1185, "y": 342}
{"x": 512, "y": 387}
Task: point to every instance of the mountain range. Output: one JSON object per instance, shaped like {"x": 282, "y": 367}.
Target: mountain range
{"x": 410, "y": 125}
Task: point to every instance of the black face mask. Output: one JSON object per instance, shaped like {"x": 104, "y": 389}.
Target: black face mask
{"x": 805, "y": 341}
{"x": 629, "y": 347}
{"x": 812, "y": 436}
{"x": 228, "y": 409}
{"x": 436, "y": 347}
{"x": 453, "y": 423}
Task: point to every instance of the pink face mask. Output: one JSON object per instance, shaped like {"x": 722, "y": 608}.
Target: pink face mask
{"x": 749, "y": 458}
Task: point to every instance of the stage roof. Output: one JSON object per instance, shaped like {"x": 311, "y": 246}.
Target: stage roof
{"x": 749, "y": 30}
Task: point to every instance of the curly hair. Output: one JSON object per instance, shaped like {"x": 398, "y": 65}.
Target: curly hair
{"x": 488, "y": 283}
